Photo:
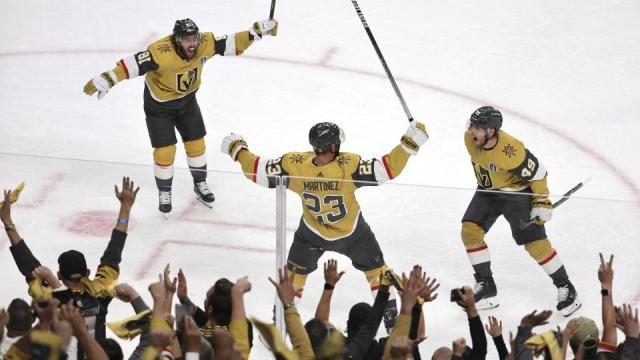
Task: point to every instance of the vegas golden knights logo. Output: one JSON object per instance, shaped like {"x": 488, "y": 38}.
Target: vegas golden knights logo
{"x": 483, "y": 176}
{"x": 185, "y": 80}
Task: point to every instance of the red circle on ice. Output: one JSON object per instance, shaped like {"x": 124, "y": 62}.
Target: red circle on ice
{"x": 93, "y": 223}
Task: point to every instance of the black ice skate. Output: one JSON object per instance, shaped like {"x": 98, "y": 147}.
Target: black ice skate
{"x": 568, "y": 301}
{"x": 485, "y": 293}
{"x": 390, "y": 314}
{"x": 203, "y": 194}
{"x": 164, "y": 202}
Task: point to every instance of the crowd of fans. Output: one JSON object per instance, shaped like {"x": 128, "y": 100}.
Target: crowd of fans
{"x": 66, "y": 315}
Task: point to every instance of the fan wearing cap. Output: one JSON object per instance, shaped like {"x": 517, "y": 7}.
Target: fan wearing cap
{"x": 326, "y": 180}
{"x": 172, "y": 67}
{"x": 511, "y": 182}
{"x": 91, "y": 296}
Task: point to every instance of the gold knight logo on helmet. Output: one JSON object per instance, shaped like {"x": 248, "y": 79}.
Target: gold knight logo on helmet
{"x": 185, "y": 80}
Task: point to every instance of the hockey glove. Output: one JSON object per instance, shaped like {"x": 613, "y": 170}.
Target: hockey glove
{"x": 415, "y": 137}
{"x": 100, "y": 84}
{"x": 264, "y": 28}
{"x": 541, "y": 210}
{"x": 232, "y": 144}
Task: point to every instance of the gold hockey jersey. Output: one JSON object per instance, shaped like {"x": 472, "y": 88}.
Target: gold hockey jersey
{"x": 169, "y": 76}
{"x": 507, "y": 166}
{"x": 327, "y": 193}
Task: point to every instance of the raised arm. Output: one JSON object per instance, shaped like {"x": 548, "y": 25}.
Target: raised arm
{"x": 261, "y": 171}
{"x": 128, "y": 67}
{"x": 239, "y": 326}
{"x": 373, "y": 172}
{"x": 21, "y": 253}
{"x": 297, "y": 333}
{"x": 331, "y": 278}
{"x": 605, "y": 275}
{"x": 478, "y": 338}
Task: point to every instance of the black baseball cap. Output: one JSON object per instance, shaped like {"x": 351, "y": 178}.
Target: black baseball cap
{"x": 72, "y": 265}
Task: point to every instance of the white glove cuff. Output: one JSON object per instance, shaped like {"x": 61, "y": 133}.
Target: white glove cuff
{"x": 234, "y": 154}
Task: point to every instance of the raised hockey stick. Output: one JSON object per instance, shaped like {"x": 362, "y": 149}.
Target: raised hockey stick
{"x": 565, "y": 197}
{"x": 384, "y": 63}
{"x": 273, "y": 8}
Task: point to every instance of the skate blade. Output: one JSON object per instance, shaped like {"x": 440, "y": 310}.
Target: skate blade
{"x": 571, "y": 308}
{"x": 488, "y": 303}
{"x": 204, "y": 202}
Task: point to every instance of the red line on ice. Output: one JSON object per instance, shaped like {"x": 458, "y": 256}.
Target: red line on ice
{"x": 324, "y": 65}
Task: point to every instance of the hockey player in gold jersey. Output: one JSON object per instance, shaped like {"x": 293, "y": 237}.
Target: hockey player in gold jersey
{"x": 511, "y": 182}
{"x": 172, "y": 67}
{"x": 326, "y": 180}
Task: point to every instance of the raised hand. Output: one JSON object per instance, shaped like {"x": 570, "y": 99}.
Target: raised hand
{"x": 232, "y": 144}
{"x": 169, "y": 285}
{"x": 568, "y": 330}
{"x": 605, "y": 272}
{"x": 157, "y": 290}
{"x": 429, "y": 294}
{"x": 413, "y": 286}
{"x": 494, "y": 328}
{"x": 284, "y": 286}
{"x": 264, "y": 28}
{"x": 467, "y": 300}
{"x": 126, "y": 292}
{"x": 128, "y": 195}
{"x": 242, "y": 285}
{"x": 191, "y": 335}
{"x": 183, "y": 295}
{"x": 5, "y": 210}
{"x": 45, "y": 274}
{"x": 629, "y": 320}
{"x": 331, "y": 274}
{"x": 534, "y": 318}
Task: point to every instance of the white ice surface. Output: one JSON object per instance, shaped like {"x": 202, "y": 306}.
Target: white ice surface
{"x": 565, "y": 74}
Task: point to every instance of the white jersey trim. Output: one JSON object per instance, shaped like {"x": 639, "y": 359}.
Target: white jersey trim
{"x": 540, "y": 173}
{"x": 355, "y": 223}
{"x": 230, "y": 47}
{"x": 380, "y": 172}
{"x": 261, "y": 173}
{"x": 131, "y": 66}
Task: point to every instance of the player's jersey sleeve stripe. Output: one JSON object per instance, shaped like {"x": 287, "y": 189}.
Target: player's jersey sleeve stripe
{"x": 255, "y": 168}
{"x": 260, "y": 173}
{"x": 381, "y": 172}
{"x": 124, "y": 67}
{"x": 130, "y": 66}
{"x": 386, "y": 167}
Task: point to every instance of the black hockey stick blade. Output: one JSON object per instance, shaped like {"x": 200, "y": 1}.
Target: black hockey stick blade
{"x": 565, "y": 197}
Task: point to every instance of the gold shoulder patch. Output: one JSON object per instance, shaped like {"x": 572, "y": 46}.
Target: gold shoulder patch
{"x": 163, "y": 48}
{"x": 296, "y": 158}
{"x": 509, "y": 150}
{"x": 343, "y": 160}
